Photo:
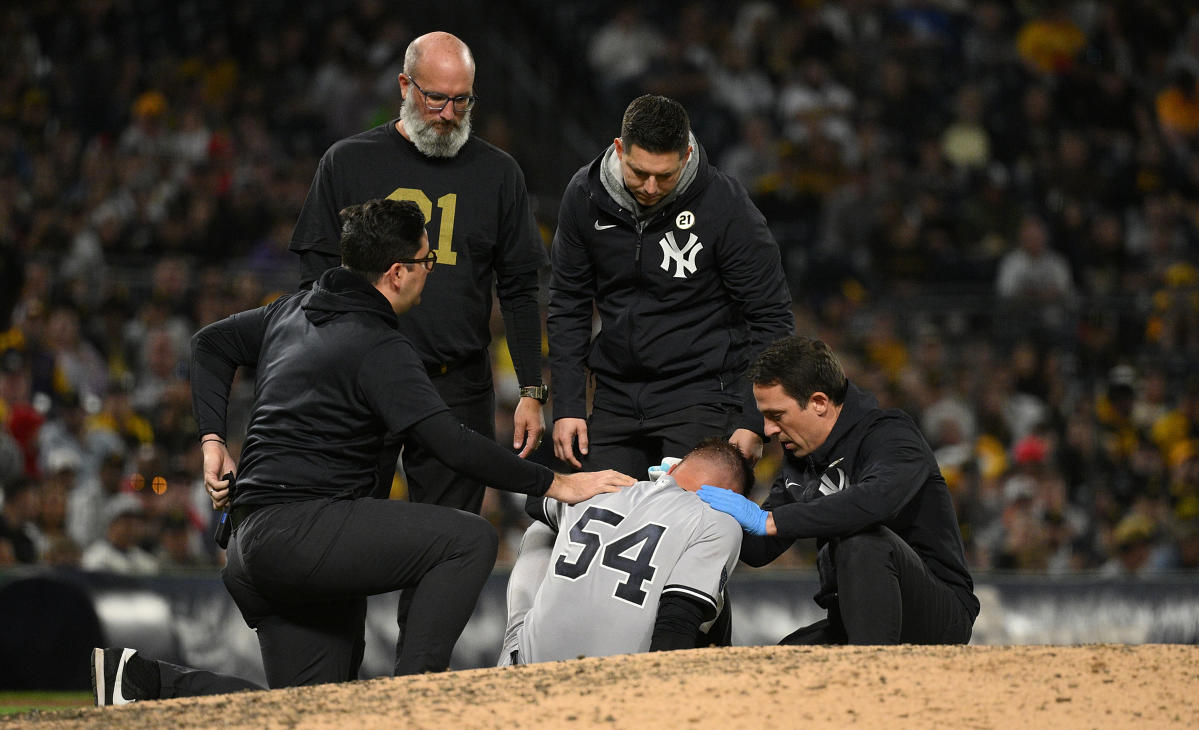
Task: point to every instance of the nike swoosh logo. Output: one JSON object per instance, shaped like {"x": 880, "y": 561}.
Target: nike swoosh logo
{"x": 598, "y": 227}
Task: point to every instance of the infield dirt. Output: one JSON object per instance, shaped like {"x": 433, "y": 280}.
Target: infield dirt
{"x": 1100, "y": 686}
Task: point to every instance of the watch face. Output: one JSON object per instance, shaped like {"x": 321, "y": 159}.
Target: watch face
{"x": 540, "y": 392}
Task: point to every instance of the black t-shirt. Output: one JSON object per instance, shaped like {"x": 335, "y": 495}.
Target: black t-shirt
{"x": 479, "y": 223}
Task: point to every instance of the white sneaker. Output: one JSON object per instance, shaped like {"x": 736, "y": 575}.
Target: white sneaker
{"x": 109, "y": 684}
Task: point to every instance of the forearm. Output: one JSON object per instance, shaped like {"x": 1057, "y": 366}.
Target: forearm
{"x": 759, "y": 550}
{"x": 478, "y": 457}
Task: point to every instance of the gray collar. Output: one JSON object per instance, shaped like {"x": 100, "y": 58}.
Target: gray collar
{"x": 613, "y": 181}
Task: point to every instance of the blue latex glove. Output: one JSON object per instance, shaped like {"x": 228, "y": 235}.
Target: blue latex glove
{"x": 751, "y": 516}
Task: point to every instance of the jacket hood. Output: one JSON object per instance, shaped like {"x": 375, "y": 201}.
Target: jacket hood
{"x": 340, "y": 291}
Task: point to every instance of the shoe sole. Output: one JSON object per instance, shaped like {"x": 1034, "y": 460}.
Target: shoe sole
{"x": 98, "y": 676}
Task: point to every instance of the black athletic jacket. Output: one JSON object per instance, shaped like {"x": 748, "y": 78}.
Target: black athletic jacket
{"x": 686, "y": 298}
{"x": 334, "y": 375}
{"x": 874, "y": 469}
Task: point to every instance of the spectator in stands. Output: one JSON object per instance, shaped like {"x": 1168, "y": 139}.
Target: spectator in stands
{"x": 178, "y": 543}
{"x": 622, "y": 51}
{"x": 85, "y": 503}
{"x": 1177, "y": 106}
{"x": 1133, "y": 540}
{"x": 1050, "y": 44}
{"x": 17, "y": 517}
{"x": 1034, "y": 279}
{"x": 58, "y": 483}
{"x": 120, "y": 550}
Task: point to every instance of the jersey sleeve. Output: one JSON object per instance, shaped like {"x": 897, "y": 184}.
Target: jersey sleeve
{"x": 319, "y": 225}
{"x": 519, "y": 247}
{"x": 705, "y": 565}
{"x": 545, "y": 510}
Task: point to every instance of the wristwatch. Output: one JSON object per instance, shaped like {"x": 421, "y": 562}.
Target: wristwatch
{"x": 540, "y": 392}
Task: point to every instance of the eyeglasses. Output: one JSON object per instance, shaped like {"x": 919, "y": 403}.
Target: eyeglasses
{"x": 435, "y": 101}
{"x": 427, "y": 261}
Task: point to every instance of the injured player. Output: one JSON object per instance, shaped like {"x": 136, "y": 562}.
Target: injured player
{"x": 643, "y": 569}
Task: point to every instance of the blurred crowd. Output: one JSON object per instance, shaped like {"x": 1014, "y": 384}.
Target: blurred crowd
{"x": 990, "y": 210}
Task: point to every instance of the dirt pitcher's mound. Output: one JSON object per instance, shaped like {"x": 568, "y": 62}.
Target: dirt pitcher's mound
{"x": 740, "y": 687}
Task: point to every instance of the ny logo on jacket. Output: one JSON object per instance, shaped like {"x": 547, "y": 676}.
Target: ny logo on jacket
{"x": 816, "y": 482}
{"x": 683, "y": 257}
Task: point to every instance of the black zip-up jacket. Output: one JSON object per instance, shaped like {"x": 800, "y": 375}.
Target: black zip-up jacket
{"x": 334, "y": 376}
{"x": 686, "y": 298}
{"x": 875, "y": 468}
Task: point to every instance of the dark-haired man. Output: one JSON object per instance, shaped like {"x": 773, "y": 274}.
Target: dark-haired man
{"x": 689, "y": 287}
{"x": 642, "y": 569}
{"x": 334, "y": 377}
{"x": 862, "y": 481}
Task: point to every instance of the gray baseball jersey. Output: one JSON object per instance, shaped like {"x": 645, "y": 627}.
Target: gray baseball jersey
{"x": 614, "y": 557}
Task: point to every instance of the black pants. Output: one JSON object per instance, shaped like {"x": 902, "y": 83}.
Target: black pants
{"x": 886, "y": 595}
{"x": 300, "y": 574}
{"x": 177, "y": 681}
{"x": 632, "y": 445}
{"x": 468, "y": 391}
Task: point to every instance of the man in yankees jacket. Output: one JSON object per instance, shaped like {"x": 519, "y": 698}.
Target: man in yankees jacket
{"x": 862, "y": 481}
{"x": 689, "y": 287}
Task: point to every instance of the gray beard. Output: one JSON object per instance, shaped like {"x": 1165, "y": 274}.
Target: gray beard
{"x": 430, "y": 142}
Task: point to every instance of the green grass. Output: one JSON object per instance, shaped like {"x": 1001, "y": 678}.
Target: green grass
{"x": 13, "y": 703}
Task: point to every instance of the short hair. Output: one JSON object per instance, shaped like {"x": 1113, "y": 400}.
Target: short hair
{"x": 727, "y": 456}
{"x": 377, "y": 233}
{"x": 656, "y": 124}
{"x": 803, "y": 366}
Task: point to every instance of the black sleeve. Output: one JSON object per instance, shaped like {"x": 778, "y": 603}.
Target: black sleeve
{"x": 313, "y": 263}
{"x": 678, "y": 622}
{"x": 465, "y": 451}
{"x": 535, "y": 509}
{"x": 720, "y": 633}
{"x": 217, "y": 351}
{"x": 568, "y": 314}
{"x": 522, "y": 323}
